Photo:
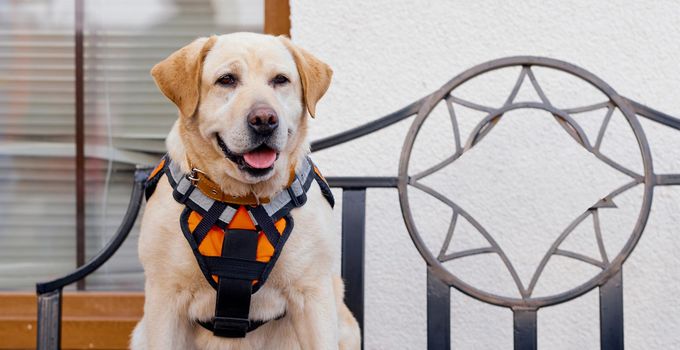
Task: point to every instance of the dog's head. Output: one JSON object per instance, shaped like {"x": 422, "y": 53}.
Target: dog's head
{"x": 242, "y": 100}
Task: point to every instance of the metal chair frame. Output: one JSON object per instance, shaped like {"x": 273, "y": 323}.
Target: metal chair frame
{"x": 439, "y": 279}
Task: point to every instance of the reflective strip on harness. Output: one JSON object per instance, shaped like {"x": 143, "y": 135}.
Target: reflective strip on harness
{"x": 275, "y": 208}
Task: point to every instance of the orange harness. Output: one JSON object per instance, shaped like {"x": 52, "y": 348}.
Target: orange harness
{"x": 236, "y": 240}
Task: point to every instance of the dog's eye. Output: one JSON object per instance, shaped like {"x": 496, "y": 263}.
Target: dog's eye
{"x": 280, "y": 79}
{"x": 227, "y": 80}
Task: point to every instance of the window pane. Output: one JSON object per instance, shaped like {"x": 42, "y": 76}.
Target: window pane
{"x": 37, "y": 199}
{"x": 127, "y": 118}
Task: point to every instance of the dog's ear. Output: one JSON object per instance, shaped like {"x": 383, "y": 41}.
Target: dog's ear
{"x": 314, "y": 75}
{"x": 179, "y": 75}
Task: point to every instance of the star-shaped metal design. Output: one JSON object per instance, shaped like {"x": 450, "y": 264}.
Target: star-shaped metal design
{"x": 564, "y": 118}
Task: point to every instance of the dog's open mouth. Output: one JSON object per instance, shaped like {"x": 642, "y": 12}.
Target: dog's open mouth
{"x": 258, "y": 161}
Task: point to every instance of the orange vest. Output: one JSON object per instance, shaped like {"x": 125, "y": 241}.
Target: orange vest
{"x": 235, "y": 242}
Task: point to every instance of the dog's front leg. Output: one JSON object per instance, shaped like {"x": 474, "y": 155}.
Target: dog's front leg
{"x": 314, "y": 315}
{"x": 165, "y": 319}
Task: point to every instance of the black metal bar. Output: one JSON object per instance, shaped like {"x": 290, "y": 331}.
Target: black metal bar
{"x": 654, "y": 115}
{"x": 438, "y": 313}
{"x": 369, "y": 127}
{"x": 667, "y": 179}
{"x": 49, "y": 320}
{"x": 525, "y": 335}
{"x": 611, "y": 313}
{"x": 353, "y": 241}
{"x": 362, "y": 182}
{"x": 80, "y": 139}
{"x": 111, "y": 247}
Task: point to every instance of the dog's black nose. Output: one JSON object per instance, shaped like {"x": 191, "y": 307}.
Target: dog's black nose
{"x": 263, "y": 120}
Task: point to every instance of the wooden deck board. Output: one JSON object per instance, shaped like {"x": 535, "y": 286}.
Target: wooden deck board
{"x": 91, "y": 320}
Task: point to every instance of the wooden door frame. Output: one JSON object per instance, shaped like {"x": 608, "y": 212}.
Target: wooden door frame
{"x": 277, "y": 17}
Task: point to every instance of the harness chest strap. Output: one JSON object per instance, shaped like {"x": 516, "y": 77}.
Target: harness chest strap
{"x": 235, "y": 245}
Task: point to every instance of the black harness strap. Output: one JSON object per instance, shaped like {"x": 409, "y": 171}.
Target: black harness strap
{"x": 325, "y": 189}
{"x": 235, "y": 268}
{"x": 185, "y": 197}
{"x": 208, "y": 221}
{"x": 233, "y": 293}
{"x": 209, "y": 325}
{"x": 266, "y": 224}
{"x": 152, "y": 181}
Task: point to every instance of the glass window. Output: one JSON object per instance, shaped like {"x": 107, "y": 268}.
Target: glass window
{"x": 37, "y": 201}
{"x": 126, "y": 121}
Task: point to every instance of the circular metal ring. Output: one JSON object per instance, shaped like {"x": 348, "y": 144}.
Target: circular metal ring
{"x": 526, "y": 62}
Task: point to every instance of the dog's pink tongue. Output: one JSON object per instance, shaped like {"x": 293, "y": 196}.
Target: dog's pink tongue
{"x": 260, "y": 159}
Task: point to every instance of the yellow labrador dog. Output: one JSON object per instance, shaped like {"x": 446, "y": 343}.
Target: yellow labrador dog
{"x": 243, "y": 101}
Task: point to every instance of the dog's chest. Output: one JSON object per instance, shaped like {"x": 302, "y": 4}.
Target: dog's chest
{"x": 307, "y": 256}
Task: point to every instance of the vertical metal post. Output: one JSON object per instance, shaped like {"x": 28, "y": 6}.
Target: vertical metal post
{"x": 611, "y": 313}
{"x": 49, "y": 321}
{"x": 80, "y": 138}
{"x": 353, "y": 240}
{"x": 525, "y": 329}
{"x": 438, "y": 313}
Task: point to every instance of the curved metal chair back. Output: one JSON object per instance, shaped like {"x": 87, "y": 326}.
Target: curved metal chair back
{"x": 439, "y": 278}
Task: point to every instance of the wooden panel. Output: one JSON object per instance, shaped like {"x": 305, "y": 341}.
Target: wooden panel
{"x": 91, "y": 320}
{"x": 277, "y": 17}
{"x": 84, "y": 333}
{"x": 78, "y": 304}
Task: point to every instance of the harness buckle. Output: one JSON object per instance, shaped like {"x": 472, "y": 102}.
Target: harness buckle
{"x": 231, "y": 327}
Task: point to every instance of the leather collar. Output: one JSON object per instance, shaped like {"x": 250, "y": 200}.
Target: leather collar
{"x": 213, "y": 191}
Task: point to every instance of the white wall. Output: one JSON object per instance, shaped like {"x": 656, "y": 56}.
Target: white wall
{"x": 388, "y": 53}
